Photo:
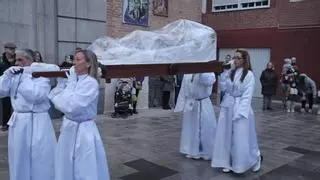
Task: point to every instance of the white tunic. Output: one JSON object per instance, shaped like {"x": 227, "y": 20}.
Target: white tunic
{"x": 236, "y": 146}
{"x": 31, "y": 140}
{"x": 199, "y": 120}
{"x": 80, "y": 153}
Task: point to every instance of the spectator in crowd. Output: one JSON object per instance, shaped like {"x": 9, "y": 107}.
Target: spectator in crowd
{"x": 308, "y": 91}
{"x": 284, "y": 83}
{"x": 178, "y": 80}
{"x": 294, "y": 63}
{"x": 292, "y": 91}
{"x": 167, "y": 87}
{"x": 8, "y": 60}
{"x": 268, "y": 79}
{"x": 137, "y": 86}
{"x": 37, "y": 57}
{"x": 68, "y": 62}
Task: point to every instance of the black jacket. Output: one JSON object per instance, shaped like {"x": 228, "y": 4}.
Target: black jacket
{"x": 5, "y": 64}
{"x": 269, "y": 81}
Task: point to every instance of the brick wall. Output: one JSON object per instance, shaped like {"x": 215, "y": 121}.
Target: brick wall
{"x": 178, "y": 9}
{"x": 282, "y": 13}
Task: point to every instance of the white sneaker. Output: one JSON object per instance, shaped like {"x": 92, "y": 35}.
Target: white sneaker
{"x": 318, "y": 112}
{"x": 310, "y": 111}
{"x": 257, "y": 166}
{"x": 225, "y": 170}
{"x": 192, "y": 157}
{"x": 292, "y": 110}
{"x": 206, "y": 158}
{"x": 303, "y": 110}
{"x": 288, "y": 110}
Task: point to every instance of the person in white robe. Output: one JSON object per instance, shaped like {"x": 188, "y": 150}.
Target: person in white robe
{"x": 31, "y": 139}
{"x": 199, "y": 121}
{"x": 80, "y": 154}
{"x": 236, "y": 147}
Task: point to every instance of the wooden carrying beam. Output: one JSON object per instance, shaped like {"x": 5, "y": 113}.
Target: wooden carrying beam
{"x": 124, "y": 71}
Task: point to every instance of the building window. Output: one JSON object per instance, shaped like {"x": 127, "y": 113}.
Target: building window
{"x": 234, "y": 5}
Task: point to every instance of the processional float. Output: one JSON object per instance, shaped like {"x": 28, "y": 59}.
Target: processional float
{"x": 181, "y": 47}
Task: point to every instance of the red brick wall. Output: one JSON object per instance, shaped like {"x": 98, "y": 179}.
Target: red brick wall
{"x": 282, "y": 13}
{"x": 178, "y": 9}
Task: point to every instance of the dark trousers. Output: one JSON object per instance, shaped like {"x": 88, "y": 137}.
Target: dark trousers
{"x": 134, "y": 103}
{"x": 177, "y": 90}
{"x": 309, "y": 97}
{"x": 6, "y": 111}
{"x": 165, "y": 99}
{"x": 267, "y": 101}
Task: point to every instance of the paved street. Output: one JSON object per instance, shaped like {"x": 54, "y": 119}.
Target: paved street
{"x": 146, "y": 147}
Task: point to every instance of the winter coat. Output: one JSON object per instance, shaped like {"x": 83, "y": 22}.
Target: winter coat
{"x": 269, "y": 81}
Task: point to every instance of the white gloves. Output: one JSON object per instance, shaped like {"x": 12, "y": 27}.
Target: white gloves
{"x": 13, "y": 71}
{"x": 72, "y": 78}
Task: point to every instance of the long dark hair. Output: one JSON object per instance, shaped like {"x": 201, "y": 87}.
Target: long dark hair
{"x": 35, "y": 54}
{"x": 246, "y": 65}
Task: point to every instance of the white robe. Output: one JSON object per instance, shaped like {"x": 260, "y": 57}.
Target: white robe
{"x": 80, "y": 154}
{"x": 199, "y": 119}
{"x": 31, "y": 140}
{"x": 236, "y": 147}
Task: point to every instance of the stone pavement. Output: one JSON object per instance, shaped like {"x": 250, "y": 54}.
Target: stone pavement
{"x": 146, "y": 147}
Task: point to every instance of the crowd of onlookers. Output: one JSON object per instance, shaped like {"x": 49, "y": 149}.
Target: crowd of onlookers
{"x": 295, "y": 87}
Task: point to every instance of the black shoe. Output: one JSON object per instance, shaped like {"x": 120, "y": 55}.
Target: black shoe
{"x": 134, "y": 112}
{"x": 4, "y": 128}
{"x": 269, "y": 108}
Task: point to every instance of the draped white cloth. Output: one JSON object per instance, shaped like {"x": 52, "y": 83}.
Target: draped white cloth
{"x": 31, "y": 141}
{"x": 80, "y": 153}
{"x": 199, "y": 122}
{"x": 236, "y": 147}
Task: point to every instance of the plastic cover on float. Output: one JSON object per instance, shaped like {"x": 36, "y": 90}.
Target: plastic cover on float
{"x": 178, "y": 42}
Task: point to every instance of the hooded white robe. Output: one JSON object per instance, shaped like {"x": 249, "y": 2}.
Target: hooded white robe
{"x": 236, "y": 147}
{"x": 32, "y": 140}
{"x": 199, "y": 121}
{"x": 80, "y": 154}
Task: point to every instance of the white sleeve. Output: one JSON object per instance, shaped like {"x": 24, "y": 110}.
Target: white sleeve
{"x": 73, "y": 101}
{"x": 5, "y": 85}
{"x": 207, "y": 79}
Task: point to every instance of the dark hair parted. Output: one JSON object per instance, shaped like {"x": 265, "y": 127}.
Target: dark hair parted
{"x": 246, "y": 65}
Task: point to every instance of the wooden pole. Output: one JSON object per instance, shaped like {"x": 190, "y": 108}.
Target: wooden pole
{"x": 124, "y": 71}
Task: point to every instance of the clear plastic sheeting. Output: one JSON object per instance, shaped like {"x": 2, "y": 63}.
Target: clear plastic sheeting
{"x": 178, "y": 42}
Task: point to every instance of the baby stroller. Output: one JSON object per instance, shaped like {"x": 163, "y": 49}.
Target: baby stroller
{"x": 122, "y": 99}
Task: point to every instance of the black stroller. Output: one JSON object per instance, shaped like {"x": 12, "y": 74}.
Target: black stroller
{"x": 122, "y": 99}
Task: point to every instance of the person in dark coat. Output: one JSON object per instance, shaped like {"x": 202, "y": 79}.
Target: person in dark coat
{"x": 268, "y": 79}
{"x": 178, "y": 84}
{"x": 168, "y": 84}
{"x": 8, "y": 60}
{"x": 137, "y": 85}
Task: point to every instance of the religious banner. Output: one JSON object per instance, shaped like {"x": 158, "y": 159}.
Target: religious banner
{"x": 135, "y": 12}
{"x": 160, "y": 8}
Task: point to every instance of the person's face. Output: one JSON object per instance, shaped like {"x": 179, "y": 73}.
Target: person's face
{"x": 238, "y": 60}
{"x": 228, "y": 58}
{"x": 9, "y": 51}
{"x": 22, "y": 61}
{"x": 37, "y": 58}
{"x": 81, "y": 65}
{"x": 269, "y": 66}
{"x": 293, "y": 60}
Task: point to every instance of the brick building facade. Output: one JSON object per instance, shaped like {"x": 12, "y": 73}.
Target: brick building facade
{"x": 289, "y": 28}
